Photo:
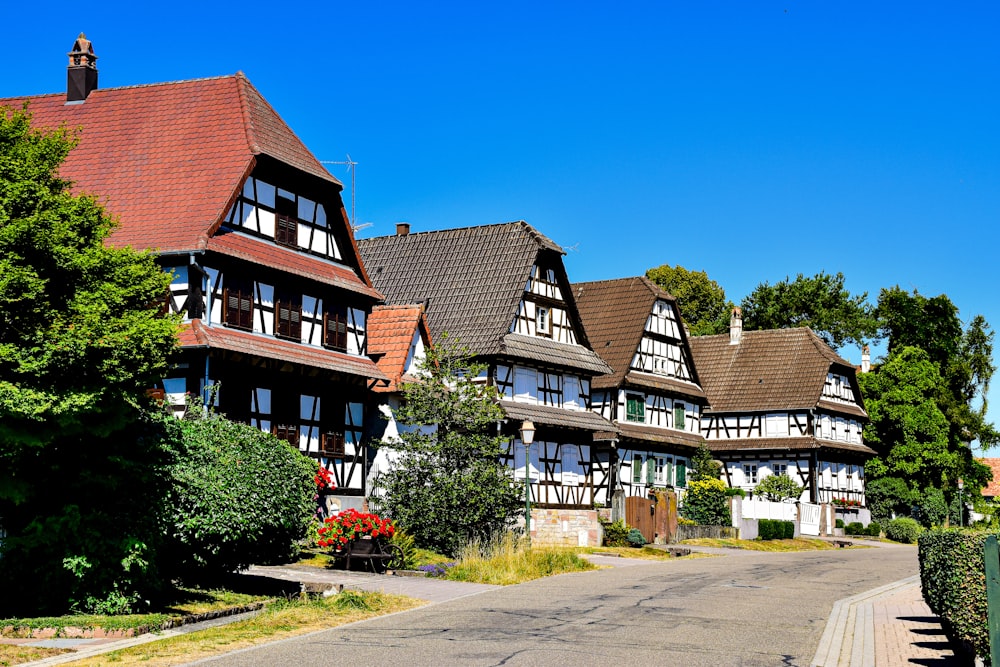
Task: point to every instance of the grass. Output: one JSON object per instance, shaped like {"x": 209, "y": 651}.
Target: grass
{"x": 508, "y": 560}
{"x": 645, "y": 553}
{"x": 282, "y": 619}
{"x": 797, "y": 544}
{"x": 183, "y": 602}
{"x": 17, "y": 655}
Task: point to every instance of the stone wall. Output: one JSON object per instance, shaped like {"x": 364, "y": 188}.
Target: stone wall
{"x": 565, "y": 528}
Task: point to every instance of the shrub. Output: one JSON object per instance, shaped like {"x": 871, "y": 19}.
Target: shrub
{"x": 405, "y": 541}
{"x": 736, "y": 492}
{"x": 239, "y": 496}
{"x": 888, "y": 495}
{"x": 707, "y": 503}
{"x": 931, "y": 508}
{"x": 615, "y": 533}
{"x": 903, "y": 529}
{"x": 635, "y": 538}
{"x": 840, "y": 523}
{"x": 875, "y": 529}
{"x": 953, "y": 580}
{"x": 855, "y": 528}
{"x": 775, "y": 529}
{"x": 778, "y": 487}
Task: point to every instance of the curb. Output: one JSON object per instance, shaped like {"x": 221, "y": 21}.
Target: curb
{"x": 849, "y": 637}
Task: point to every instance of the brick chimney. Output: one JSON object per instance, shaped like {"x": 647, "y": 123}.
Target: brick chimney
{"x": 402, "y": 228}
{"x": 81, "y": 75}
{"x": 736, "y": 326}
{"x": 866, "y": 359}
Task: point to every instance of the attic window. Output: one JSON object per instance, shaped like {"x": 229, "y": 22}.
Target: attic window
{"x": 542, "y": 321}
{"x": 286, "y": 224}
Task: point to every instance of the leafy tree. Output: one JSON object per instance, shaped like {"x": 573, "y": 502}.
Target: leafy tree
{"x": 963, "y": 356}
{"x": 703, "y": 466}
{"x": 81, "y": 336}
{"x": 707, "y": 503}
{"x": 778, "y": 487}
{"x": 886, "y": 496}
{"x": 701, "y": 300}
{"x": 448, "y": 484}
{"x": 820, "y": 303}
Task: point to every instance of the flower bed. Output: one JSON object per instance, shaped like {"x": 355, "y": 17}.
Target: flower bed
{"x": 339, "y": 530}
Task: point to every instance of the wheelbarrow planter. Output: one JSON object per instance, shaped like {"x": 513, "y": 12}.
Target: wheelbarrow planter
{"x": 376, "y": 553}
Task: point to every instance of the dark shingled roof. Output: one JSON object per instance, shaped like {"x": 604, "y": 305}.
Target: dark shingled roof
{"x": 549, "y": 416}
{"x": 471, "y": 281}
{"x": 776, "y": 369}
{"x": 614, "y": 313}
{"x": 666, "y": 436}
{"x": 786, "y": 444}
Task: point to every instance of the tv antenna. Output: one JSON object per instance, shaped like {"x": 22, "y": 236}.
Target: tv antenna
{"x": 352, "y": 167}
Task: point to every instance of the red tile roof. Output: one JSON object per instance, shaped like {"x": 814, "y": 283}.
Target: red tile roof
{"x": 391, "y": 331}
{"x": 168, "y": 158}
{"x": 196, "y": 334}
{"x": 992, "y": 489}
{"x": 269, "y": 254}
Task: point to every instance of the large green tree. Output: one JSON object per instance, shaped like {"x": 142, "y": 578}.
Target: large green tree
{"x": 448, "y": 484}
{"x": 701, "y": 300}
{"x": 81, "y": 336}
{"x": 820, "y": 302}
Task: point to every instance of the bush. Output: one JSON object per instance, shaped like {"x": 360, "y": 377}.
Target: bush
{"x": 778, "y": 487}
{"x": 953, "y": 580}
{"x": 635, "y": 538}
{"x": 615, "y": 533}
{"x": 239, "y": 496}
{"x": 931, "y": 508}
{"x": 736, "y": 492}
{"x": 875, "y": 529}
{"x": 775, "y": 529}
{"x": 707, "y": 503}
{"x": 888, "y": 495}
{"x": 903, "y": 529}
{"x": 840, "y": 523}
{"x": 855, "y": 528}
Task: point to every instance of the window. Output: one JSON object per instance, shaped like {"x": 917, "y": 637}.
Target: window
{"x": 780, "y": 468}
{"x": 750, "y": 473}
{"x": 288, "y": 316}
{"x": 679, "y": 417}
{"x": 661, "y": 467}
{"x": 239, "y": 304}
{"x": 287, "y": 432}
{"x": 542, "y": 320}
{"x": 335, "y": 328}
{"x": 286, "y": 225}
{"x": 635, "y": 408}
{"x": 333, "y": 444}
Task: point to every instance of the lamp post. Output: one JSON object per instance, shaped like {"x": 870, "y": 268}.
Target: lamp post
{"x": 527, "y": 437}
{"x": 961, "y": 509}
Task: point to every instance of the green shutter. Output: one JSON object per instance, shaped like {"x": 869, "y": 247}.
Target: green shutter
{"x": 681, "y": 474}
{"x": 636, "y": 469}
{"x": 651, "y": 471}
{"x": 679, "y": 418}
{"x": 635, "y": 409}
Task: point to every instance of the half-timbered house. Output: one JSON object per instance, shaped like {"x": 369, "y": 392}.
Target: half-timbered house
{"x": 501, "y": 292}
{"x": 266, "y": 272}
{"x": 782, "y": 401}
{"x": 653, "y": 396}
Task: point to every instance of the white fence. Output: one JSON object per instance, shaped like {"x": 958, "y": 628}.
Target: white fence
{"x": 754, "y": 508}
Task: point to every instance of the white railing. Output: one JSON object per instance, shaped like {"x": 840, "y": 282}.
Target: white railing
{"x": 754, "y": 508}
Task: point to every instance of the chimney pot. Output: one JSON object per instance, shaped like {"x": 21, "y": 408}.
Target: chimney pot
{"x": 402, "y": 228}
{"x": 866, "y": 359}
{"x": 81, "y": 75}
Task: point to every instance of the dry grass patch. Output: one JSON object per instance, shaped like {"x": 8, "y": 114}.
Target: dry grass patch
{"x": 280, "y": 620}
{"x": 797, "y": 544}
{"x": 12, "y": 654}
{"x": 509, "y": 560}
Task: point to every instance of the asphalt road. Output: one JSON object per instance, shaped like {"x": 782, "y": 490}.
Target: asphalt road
{"x": 743, "y": 609}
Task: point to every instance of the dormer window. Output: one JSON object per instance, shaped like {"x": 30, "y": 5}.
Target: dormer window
{"x": 286, "y": 223}
{"x": 542, "y": 321}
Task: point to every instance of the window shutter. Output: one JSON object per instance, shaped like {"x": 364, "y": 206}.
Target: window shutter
{"x": 679, "y": 418}
{"x": 636, "y": 469}
{"x": 651, "y": 471}
{"x": 336, "y": 328}
{"x": 681, "y": 474}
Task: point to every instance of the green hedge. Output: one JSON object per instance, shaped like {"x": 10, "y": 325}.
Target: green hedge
{"x": 903, "y": 529}
{"x": 855, "y": 528}
{"x": 615, "y": 533}
{"x": 953, "y": 579}
{"x": 774, "y": 529}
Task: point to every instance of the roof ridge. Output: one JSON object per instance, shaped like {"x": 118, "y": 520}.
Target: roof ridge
{"x": 133, "y": 86}
{"x": 538, "y": 236}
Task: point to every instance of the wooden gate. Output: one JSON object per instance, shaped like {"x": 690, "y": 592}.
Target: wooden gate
{"x": 639, "y": 513}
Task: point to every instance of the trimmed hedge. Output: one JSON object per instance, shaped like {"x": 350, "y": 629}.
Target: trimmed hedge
{"x": 903, "y": 529}
{"x": 875, "y": 529}
{"x": 855, "y": 528}
{"x": 775, "y": 529}
{"x": 953, "y": 579}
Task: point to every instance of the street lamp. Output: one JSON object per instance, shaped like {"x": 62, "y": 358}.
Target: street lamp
{"x": 527, "y": 437}
{"x": 961, "y": 509}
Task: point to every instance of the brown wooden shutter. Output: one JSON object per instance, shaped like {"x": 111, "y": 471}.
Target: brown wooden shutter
{"x": 335, "y": 326}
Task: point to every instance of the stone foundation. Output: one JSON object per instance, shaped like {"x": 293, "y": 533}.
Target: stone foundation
{"x": 565, "y": 528}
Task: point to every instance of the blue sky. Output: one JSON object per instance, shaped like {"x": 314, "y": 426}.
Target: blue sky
{"x": 752, "y": 140}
